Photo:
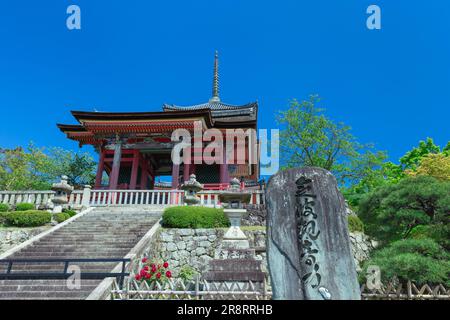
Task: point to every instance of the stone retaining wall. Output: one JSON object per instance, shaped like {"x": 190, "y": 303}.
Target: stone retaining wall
{"x": 196, "y": 247}
{"x": 11, "y": 237}
{"x": 361, "y": 247}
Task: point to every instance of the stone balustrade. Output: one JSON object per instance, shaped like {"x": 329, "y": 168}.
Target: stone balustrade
{"x": 96, "y": 198}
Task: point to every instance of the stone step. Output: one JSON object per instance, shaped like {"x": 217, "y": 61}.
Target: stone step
{"x": 60, "y": 270}
{"x": 55, "y": 282}
{"x": 26, "y": 287}
{"x": 101, "y": 233}
{"x": 72, "y": 254}
{"x": 93, "y": 238}
{"x": 68, "y": 256}
{"x": 36, "y": 295}
{"x": 77, "y": 248}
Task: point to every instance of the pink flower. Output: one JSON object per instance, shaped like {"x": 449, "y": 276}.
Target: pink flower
{"x": 144, "y": 260}
{"x": 137, "y": 277}
{"x": 168, "y": 274}
{"x": 158, "y": 275}
{"x": 165, "y": 265}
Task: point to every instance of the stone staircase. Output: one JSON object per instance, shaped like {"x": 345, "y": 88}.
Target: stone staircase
{"x": 101, "y": 233}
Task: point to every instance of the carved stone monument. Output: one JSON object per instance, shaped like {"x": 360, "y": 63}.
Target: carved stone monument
{"x": 308, "y": 245}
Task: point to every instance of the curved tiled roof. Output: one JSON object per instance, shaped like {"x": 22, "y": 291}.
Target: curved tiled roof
{"x": 212, "y": 105}
{"x": 221, "y": 112}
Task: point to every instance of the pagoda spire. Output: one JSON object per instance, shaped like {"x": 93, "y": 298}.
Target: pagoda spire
{"x": 215, "y": 89}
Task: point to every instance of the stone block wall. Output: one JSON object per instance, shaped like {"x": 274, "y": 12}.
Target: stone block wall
{"x": 361, "y": 247}
{"x": 196, "y": 247}
{"x": 11, "y": 237}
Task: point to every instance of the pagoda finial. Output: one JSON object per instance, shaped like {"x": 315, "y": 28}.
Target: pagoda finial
{"x": 215, "y": 89}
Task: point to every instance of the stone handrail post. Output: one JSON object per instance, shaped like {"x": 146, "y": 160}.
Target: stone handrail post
{"x": 86, "y": 200}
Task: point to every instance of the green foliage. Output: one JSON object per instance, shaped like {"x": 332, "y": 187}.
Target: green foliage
{"x": 387, "y": 174}
{"x": 24, "y": 169}
{"x": 37, "y": 168}
{"x": 194, "y": 217}
{"x": 78, "y": 167}
{"x": 435, "y": 165}
{"x": 355, "y": 224}
{"x": 425, "y": 159}
{"x": 61, "y": 217}
{"x": 412, "y": 158}
{"x": 71, "y": 213}
{"x": 24, "y": 206}
{"x": 30, "y": 218}
{"x": 418, "y": 260}
{"x": 4, "y": 207}
{"x": 392, "y": 211}
{"x": 438, "y": 232}
{"x": 186, "y": 273}
{"x": 309, "y": 138}
{"x": 3, "y": 216}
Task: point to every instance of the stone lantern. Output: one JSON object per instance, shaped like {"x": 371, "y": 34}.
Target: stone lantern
{"x": 234, "y": 261}
{"x": 62, "y": 192}
{"x": 233, "y": 201}
{"x": 191, "y": 187}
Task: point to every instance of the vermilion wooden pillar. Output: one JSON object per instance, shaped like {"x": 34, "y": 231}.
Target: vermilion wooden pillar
{"x": 134, "y": 169}
{"x": 144, "y": 173}
{"x": 186, "y": 171}
{"x": 114, "y": 177}
{"x": 175, "y": 175}
{"x": 100, "y": 168}
{"x": 224, "y": 176}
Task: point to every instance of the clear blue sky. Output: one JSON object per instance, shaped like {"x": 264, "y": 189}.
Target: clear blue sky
{"x": 391, "y": 86}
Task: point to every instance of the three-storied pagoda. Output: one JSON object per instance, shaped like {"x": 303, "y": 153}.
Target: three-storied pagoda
{"x": 135, "y": 147}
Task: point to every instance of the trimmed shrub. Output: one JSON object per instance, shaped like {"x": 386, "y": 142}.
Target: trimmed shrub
{"x": 355, "y": 224}
{"x": 24, "y": 206}
{"x": 61, "y": 217}
{"x": 194, "y": 217}
{"x": 3, "y": 216}
{"x": 4, "y": 207}
{"x": 30, "y": 218}
{"x": 422, "y": 261}
{"x": 71, "y": 213}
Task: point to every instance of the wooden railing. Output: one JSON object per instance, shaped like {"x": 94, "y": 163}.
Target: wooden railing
{"x": 88, "y": 197}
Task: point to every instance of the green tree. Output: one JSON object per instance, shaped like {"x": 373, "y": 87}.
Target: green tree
{"x": 391, "y": 212}
{"x": 309, "y": 138}
{"x": 421, "y": 261}
{"x": 78, "y": 167}
{"x": 412, "y": 158}
{"x": 425, "y": 159}
{"x": 35, "y": 169}
{"x": 436, "y": 165}
{"x": 24, "y": 170}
